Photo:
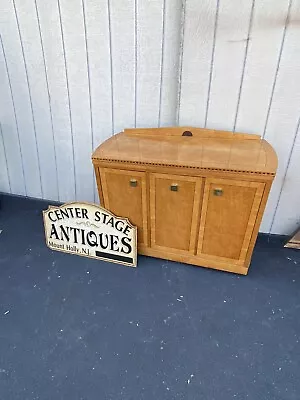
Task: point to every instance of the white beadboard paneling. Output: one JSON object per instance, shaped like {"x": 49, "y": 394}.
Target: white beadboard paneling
{"x": 198, "y": 42}
{"x": 9, "y": 130}
{"x": 284, "y": 112}
{"x": 4, "y": 172}
{"x": 170, "y": 62}
{"x": 227, "y": 67}
{"x": 99, "y": 61}
{"x": 148, "y": 68}
{"x": 123, "y": 40}
{"x": 12, "y": 46}
{"x": 77, "y": 79}
{"x": 261, "y": 64}
{"x": 29, "y": 31}
{"x": 287, "y": 216}
{"x": 51, "y": 37}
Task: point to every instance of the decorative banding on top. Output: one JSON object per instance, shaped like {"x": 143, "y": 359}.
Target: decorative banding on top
{"x": 110, "y": 160}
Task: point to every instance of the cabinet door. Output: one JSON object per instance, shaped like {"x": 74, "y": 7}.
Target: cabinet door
{"x": 124, "y": 193}
{"x": 228, "y": 216}
{"x": 174, "y": 210}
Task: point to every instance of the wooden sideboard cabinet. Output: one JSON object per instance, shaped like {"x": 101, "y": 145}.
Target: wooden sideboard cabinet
{"x": 196, "y": 195}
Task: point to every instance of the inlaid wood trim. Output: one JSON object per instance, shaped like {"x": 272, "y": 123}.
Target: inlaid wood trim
{"x": 99, "y": 186}
{"x": 110, "y": 160}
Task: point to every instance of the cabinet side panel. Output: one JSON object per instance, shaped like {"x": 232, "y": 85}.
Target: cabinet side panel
{"x": 259, "y": 216}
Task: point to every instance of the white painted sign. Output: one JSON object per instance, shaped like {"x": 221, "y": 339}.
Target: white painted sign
{"x": 92, "y": 231}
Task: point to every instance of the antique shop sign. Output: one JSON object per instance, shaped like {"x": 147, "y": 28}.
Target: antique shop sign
{"x": 91, "y": 231}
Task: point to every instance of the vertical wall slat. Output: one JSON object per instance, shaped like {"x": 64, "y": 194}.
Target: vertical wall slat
{"x": 233, "y": 22}
{"x": 9, "y": 130}
{"x": 48, "y": 15}
{"x": 149, "y": 49}
{"x": 123, "y": 62}
{"x": 199, "y": 28}
{"x": 20, "y": 89}
{"x": 284, "y": 112}
{"x": 287, "y": 215}
{"x": 29, "y": 30}
{"x": 263, "y": 53}
{"x": 77, "y": 80}
{"x": 98, "y": 46}
{"x": 170, "y": 62}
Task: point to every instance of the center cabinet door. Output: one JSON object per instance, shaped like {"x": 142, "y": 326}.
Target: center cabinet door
{"x": 124, "y": 194}
{"x": 174, "y": 212}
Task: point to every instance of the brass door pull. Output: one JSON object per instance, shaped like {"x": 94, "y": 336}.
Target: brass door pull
{"x": 218, "y": 192}
{"x": 133, "y": 182}
{"x": 174, "y": 187}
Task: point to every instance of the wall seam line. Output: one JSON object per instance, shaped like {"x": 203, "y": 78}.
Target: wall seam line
{"x": 15, "y": 114}
{"x": 244, "y": 64}
{"x": 30, "y": 96}
{"x": 68, "y": 93}
{"x": 180, "y": 64}
{"x": 162, "y": 61}
{"x": 277, "y": 67}
{"x": 5, "y": 157}
{"x": 49, "y": 97}
{"x": 212, "y": 62}
{"x": 135, "y": 61}
{"x": 285, "y": 173}
{"x": 111, "y": 68}
{"x": 89, "y": 88}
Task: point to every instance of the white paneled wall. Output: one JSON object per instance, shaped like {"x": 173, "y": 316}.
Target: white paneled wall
{"x": 72, "y": 73}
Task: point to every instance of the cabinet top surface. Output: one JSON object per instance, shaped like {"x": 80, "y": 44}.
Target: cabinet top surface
{"x": 205, "y": 149}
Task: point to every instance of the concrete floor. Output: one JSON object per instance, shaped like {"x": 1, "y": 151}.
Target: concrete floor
{"x": 75, "y": 328}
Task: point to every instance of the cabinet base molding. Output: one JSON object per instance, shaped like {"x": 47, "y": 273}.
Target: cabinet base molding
{"x": 194, "y": 260}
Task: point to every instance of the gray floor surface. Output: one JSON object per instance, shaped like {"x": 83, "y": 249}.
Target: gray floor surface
{"x": 75, "y": 328}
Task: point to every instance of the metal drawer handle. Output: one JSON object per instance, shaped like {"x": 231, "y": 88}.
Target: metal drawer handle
{"x": 174, "y": 187}
{"x": 133, "y": 182}
{"x": 218, "y": 192}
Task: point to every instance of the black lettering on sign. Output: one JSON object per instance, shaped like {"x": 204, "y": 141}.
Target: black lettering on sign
{"x": 50, "y": 212}
{"x": 58, "y": 214}
{"x": 103, "y": 240}
{"x": 65, "y": 233}
{"x": 84, "y": 213}
{"x": 64, "y": 213}
{"x": 117, "y": 224}
{"x": 110, "y": 222}
{"x": 97, "y": 216}
{"x": 127, "y": 245}
{"x": 126, "y": 230}
{"x": 53, "y": 232}
{"x": 114, "y": 239}
{"x": 89, "y": 236}
{"x": 104, "y": 217}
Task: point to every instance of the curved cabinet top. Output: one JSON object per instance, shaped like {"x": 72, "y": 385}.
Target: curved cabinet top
{"x": 190, "y": 147}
